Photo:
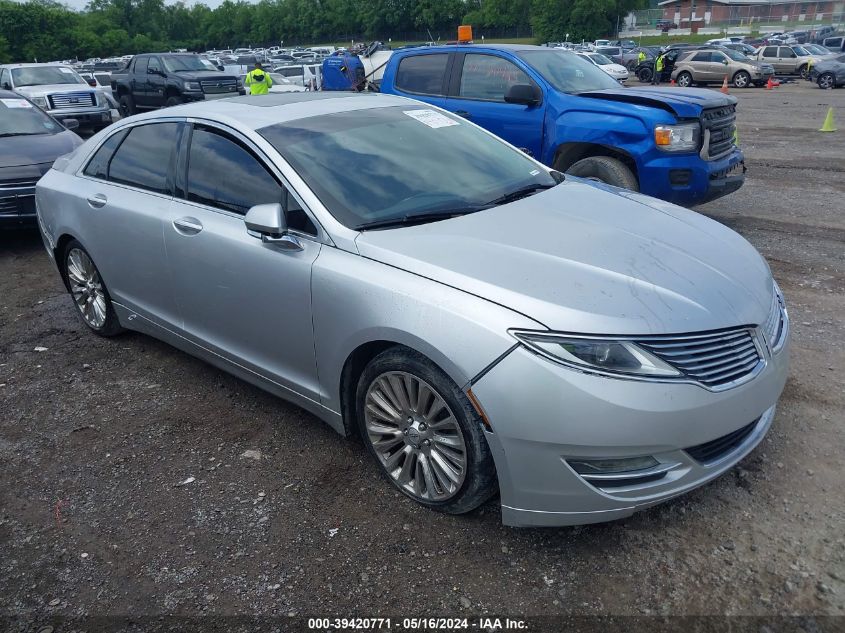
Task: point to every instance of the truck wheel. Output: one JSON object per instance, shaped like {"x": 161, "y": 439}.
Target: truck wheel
{"x": 644, "y": 75}
{"x": 827, "y": 81}
{"x": 173, "y": 101}
{"x": 742, "y": 79}
{"x": 803, "y": 70}
{"x": 127, "y": 105}
{"x": 684, "y": 80}
{"x": 607, "y": 170}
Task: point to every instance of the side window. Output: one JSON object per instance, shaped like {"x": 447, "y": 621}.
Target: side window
{"x": 770, "y": 51}
{"x": 154, "y": 65}
{"x": 297, "y": 219}
{"x": 785, "y": 51}
{"x": 143, "y": 159}
{"x": 720, "y": 58}
{"x": 224, "y": 174}
{"x": 702, "y": 57}
{"x": 4, "y": 77}
{"x": 422, "y": 74}
{"x": 488, "y": 77}
{"x": 141, "y": 65}
{"x": 98, "y": 166}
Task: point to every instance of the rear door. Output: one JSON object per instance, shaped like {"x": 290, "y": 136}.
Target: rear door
{"x": 243, "y": 299}
{"x": 477, "y": 92}
{"x": 125, "y": 193}
{"x": 770, "y": 55}
{"x": 424, "y": 77}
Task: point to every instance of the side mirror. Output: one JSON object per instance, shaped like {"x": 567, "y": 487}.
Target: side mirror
{"x": 71, "y": 124}
{"x": 7, "y": 85}
{"x": 267, "y": 222}
{"x": 525, "y": 94}
{"x": 154, "y": 71}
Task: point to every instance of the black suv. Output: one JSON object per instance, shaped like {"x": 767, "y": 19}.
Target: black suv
{"x": 168, "y": 79}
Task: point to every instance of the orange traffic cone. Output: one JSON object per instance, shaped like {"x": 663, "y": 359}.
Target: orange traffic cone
{"x": 770, "y": 84}
{"x": 724, "y": 87}
{"x": 672, "y": 83}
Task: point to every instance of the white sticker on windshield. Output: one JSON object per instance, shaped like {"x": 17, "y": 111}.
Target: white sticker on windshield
{"x": 431, "y": 118}
{"x": 66, "y": 71}
{"x": 16, "y": 103}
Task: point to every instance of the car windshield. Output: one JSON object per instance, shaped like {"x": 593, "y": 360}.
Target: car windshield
{"x": 568, "y": 72}
{"x": 800, "y": 50}
{"x": 735, "y": 55}
{"x": 359, "y": 166}
{"x": 45, "y": 75}
{"x": 600, "y": 59}
{"x": 18, "y": 117}
{"x": 183, "y": 63}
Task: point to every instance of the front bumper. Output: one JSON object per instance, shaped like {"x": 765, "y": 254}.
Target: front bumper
{"x": 543, "y": 414}
{"x": 87, "y": 118}
{"x": 703, "y": 181}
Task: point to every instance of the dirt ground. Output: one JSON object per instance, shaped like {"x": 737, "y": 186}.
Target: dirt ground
{"x": 97, "y": 435}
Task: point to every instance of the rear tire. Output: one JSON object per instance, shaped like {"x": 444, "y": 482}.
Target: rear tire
{"x": 803, "y": 71}
{"x": 605, "y": 169}
{"x": 127, "y": 105}
{"x": 684, "y": 80}
{"x": 645, "y": 75}
{"x": 424, "y": 433}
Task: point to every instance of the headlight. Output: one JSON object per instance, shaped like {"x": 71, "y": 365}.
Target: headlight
{"x": 41, "y": 102}
{"x": 606, "y": 356}
{"x": 677, "y": 138}
{"x": 193, "y": 86}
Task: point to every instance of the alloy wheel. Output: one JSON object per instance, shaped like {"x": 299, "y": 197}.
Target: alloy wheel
{"x": 741, "y": 79}
{"x": 416, "y": 436}
{"x": 86, "y": 288}
{"x": 826, "y": 81}
{"x": 685, "y": 80}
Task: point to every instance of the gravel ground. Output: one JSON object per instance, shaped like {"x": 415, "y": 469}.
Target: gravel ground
{"x": 139, "y": 481}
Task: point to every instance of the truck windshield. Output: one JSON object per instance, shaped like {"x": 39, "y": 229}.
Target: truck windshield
{"x": 567, "y": 71}
{"x": 383, "y": 165}
{"x": 184, "y": 63}
{"x": 44, "y": 76}
{"x": 735, "y": 55}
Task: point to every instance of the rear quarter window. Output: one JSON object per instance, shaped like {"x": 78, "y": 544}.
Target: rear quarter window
{"x": 422, "y": 74}
{"x": 98, "y": 166}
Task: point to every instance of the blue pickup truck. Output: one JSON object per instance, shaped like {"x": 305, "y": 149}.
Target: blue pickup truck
{"x": 677, "y": 145}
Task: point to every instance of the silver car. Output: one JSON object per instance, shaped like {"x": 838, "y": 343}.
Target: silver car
{"x": 486, "y": 325}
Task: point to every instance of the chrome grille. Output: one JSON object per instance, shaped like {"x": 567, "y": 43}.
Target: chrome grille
{"x": 721, "y": 123}
{"x": 717, "y": 359}
{"x": 773, "y": 328}
{"x": 72, "y": 100}
{"x": 15, "y": 205}
{"x": 218, "y": 86}
{"x": 17, "y": 184}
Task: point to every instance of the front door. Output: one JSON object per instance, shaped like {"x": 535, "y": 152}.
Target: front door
{"x": 154, "y": 92}
{"x": 478, "y": 87}
{"x": 245, "y": 300}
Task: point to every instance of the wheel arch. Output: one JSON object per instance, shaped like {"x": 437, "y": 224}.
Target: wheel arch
{"x": 567, "y": 154}
{"x": 58, "y": 255}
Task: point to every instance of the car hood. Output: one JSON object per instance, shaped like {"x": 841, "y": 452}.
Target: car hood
{"x": 49, "y": 89}
{"x": 616, "y": 68}
{"x": 686, "y": 103}
{"x": 19, "y": 151}
{"x": 205, "y": 75}
{"x": 592, "y": 259}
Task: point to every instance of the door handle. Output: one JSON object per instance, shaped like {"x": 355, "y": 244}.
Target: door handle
{"x": 97, "y": 201}
{"x": 464, "y": 114}
{"x": 187, "y": 226}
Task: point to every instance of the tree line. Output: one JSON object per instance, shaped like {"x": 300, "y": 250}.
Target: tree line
{"x": 47, "y": 30}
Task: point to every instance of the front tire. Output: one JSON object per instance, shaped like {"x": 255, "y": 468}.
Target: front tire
{"x": 607, "y": 170}
{"x": 826, "y": 81}
{"x": 127, "y": 105}
{"x": 684, "y": 80}
{"x": 174, "y": 100}
{"x": 803, "y": 71}
{"x": 645, "y": 75}
{"x": 424, "y": 433}
{"x": 742, "y": 79}
{"x": 90, "y": 295}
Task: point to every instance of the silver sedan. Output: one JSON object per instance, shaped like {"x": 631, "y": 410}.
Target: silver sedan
{"x": 485, "y": 324}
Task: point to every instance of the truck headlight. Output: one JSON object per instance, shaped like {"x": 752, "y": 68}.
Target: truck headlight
{"x": 601, "y": 355}
{"x": 677, "y": 138}
{"x": 193, "y": 86}
{"x": 41, "y": 102}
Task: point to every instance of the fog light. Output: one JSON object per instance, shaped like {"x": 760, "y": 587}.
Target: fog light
{"x": 680, "y": 176}
{"x": 610, "y": 466}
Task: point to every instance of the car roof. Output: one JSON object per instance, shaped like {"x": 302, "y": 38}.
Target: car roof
{"x": 488, "y": 47}
{"x": 32, "y": 65}
{"x": 257, "y": 112}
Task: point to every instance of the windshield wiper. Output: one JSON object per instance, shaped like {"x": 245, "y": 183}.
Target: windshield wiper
{"x": 419, "y": 218}
{"x": 7, "y": 134}
{"x": 526, "y": 191}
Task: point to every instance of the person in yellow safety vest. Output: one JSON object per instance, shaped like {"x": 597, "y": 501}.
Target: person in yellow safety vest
{"x": 258, "y": 80}
{"x": 641, "y": 57}
{"x": 658, "y": 71}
